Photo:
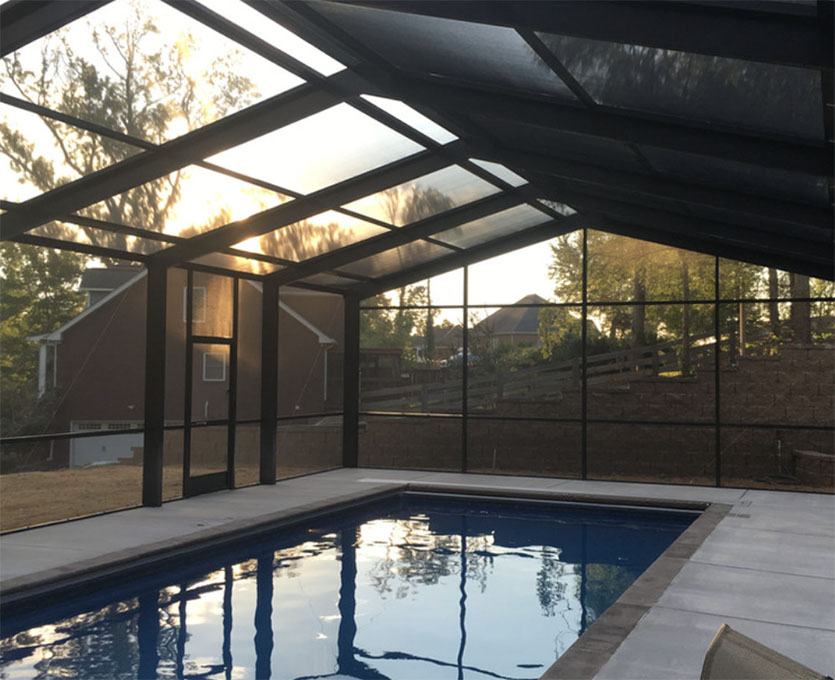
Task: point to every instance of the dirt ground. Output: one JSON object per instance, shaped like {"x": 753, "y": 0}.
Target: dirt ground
{"x": 32, "y": 498}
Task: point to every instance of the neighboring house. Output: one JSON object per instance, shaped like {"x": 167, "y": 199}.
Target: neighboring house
{"x": 517, "y": 326}
{"x": 448, "y": 342}
{"x": 96, "y": 361}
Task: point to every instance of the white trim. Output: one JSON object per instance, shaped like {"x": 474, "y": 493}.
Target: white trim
{"x": 324, "y": 339}
{"x": 185, "y": 303}
{"x": 222, "y": 356}
{"x": 42, "y": 369}
{"x": 56, "y": 335}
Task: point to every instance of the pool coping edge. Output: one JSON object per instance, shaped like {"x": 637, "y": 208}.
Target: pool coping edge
{"x": 593, "y": 649}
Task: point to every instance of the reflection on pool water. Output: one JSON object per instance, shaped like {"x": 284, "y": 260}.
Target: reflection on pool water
{"x": 417, "y": 587}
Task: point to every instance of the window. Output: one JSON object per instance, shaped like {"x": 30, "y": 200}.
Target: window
{"x": 214, "y": 366}
{"x": 198, "y": 304}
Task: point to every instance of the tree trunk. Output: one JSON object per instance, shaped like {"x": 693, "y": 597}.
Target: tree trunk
{"x": 638, "y": 310}
{"x": 801, "y": 313}
{"x": 686, "y": 364}
{"x": 773, "y": 311}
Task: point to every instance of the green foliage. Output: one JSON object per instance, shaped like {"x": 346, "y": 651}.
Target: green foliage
{"x": 394, "y": 328}
{"x": 132, "y": 84}
{"x": 38, "y": 293}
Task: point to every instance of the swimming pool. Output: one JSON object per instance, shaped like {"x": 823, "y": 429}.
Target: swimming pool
{"x": 418, "y": 586}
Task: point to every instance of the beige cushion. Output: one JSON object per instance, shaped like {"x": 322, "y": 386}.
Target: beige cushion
{"x": 733, "y": 656}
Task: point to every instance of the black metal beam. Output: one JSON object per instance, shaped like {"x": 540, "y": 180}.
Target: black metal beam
{"x": 398, "y": 237}
{"x": 301, "y": 208}
{"x": 722, "y": 232}
{"x": 613, "y": 124}
{"x": 725, "y": 198}
{"x": 86, "y": 248}
{"x": 269, "y": 381}
{"x": 23, "y": 21}
{"x": 737, "y": 32}
{"x": 153, "y": 445}
{"x": 351, "y": 383}
{"x": 696, "y": 243}
{"x": 228, "y": 132}
{"x": 500, "y": 246}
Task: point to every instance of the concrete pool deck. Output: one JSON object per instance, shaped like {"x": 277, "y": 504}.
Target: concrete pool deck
{"x": 767, "y": 567}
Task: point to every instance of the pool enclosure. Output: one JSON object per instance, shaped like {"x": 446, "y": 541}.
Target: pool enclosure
{"x": 250, "y": 240}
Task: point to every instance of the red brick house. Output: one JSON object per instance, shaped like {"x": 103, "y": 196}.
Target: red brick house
{"x": 95, "y": 362}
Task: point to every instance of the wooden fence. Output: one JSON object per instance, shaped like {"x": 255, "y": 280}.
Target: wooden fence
{"x": 614, "y": 369}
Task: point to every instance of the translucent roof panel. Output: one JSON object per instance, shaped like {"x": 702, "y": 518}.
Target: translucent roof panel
{"x": 412, "y": 118}
{"x": 583, "y": 148}
{"x": 490, "y": 55}
{"x": 769, "y": 97}
{"x": 424, "y": 197}
{"x": 492, "y": 227}
{"x": 320, "y": 150}
{"x": 73, "y": 233}
{"x": 314, "y": 236}
{"x": 237, "y": 264}
{"x": 501, "y": 172}
{"x": 723, "y": 173}
{"x": 180, "y": 74}
{"x": 561, "y": 208}
{"x": 275, "y": 34}
{"x": 397, "y": 259}
{"x": 330, "y": 280}
{"x": 28, "y": 135}
{"x": 190, "y": 201}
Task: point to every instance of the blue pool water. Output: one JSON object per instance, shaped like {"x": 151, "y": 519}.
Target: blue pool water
{"x": 417, "y": 587}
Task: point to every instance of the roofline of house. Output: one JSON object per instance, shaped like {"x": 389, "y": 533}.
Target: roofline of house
{"x": 324, "y": 339}
{"x": 56, "y": 335}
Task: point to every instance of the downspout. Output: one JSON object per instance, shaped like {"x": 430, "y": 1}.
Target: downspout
{"x": 42, "y": 368}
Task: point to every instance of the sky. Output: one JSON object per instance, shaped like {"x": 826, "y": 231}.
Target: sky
{"x": 291, "y": 156}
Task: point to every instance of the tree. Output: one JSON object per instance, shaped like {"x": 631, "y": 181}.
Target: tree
{"x": 623, "y": 270}
{"x": 128, "y": 83}
{"x": 128, "y": 80}
{"x": 39, "y": 294}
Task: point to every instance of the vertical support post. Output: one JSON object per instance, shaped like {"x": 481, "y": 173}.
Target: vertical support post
{"x": 269, "y": 380}
{"x": 232, "y": 403}
{"x": 351, "y": 383}
{"x": 188, "y": 385}
{"x": 716, "y": 352}
{"x": 583, "y": 368}
{"x": 465, "y": 370}
{"x": 153, "y": 439}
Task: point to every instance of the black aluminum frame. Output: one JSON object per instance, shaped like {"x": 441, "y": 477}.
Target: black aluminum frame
{"x": 717, "y": 424}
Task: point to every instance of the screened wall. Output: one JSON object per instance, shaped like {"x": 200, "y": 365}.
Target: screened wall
{"x": 245, "y": 241}
{"x": 613, "y": 376}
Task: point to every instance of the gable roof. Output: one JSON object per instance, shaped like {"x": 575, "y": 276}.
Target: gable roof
{"x": 57, "y": 335}
{"x": 107, "y": 278}
{"x": 513, "y": 320}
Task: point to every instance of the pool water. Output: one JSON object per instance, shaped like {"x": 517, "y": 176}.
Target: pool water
{"x": 417, "y": 587}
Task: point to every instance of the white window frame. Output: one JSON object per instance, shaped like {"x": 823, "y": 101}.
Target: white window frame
{"x": 197, "y": 317}
{"x": 222, "y": 357}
